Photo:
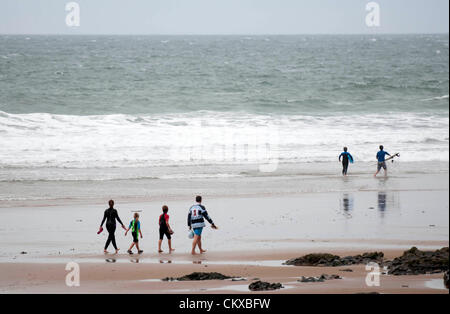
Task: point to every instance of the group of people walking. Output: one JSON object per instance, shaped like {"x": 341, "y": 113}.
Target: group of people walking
{"x": 196, "y": 216}
{"x": 196, "y": 222}
{"x": 345, "y": 157}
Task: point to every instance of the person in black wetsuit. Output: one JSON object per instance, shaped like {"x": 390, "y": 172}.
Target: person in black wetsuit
{"x": 346, "y": 158}
{"x": 110, "y": 217}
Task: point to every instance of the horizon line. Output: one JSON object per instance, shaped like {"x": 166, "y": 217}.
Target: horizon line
{"x": 216, "y": 34}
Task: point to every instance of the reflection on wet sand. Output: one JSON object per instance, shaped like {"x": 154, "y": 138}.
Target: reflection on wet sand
{"x": 381, "y": 201}
{"x": 347, "y": 205}
{"x": 387, "y": 202}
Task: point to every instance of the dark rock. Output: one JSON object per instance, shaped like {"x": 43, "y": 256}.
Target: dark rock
{"x": 321, "y": 278}
{"x": 330, "y": 277}
{"x": 446, "y": 275}
{"x": 310, "y": 279}
{"x": 348, "y": 270}
{"x": 415, "y": 262}
{"x": 313, "y": 260}
{"x": 325, "y": 259}
{"x": 199, "y": 276}
{"x": 23, "y": 252}
{"x": 264, "y": 286}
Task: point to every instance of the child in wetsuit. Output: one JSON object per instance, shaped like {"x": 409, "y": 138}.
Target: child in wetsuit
{"x": 346, "y": 158}
{"x": 135, "y": 227}
{"x": 165, "y": 229}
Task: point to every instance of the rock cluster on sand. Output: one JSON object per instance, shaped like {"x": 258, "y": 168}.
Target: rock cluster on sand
{"x": 325, "y": 259}
{"x": 415, "y": 262}
{"x": 199, "y": 276}
{"x": 321, "y": 278}
{"x": 264, "y": 286}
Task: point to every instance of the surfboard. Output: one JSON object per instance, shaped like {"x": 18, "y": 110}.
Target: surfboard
{"x": 392, "y": 157}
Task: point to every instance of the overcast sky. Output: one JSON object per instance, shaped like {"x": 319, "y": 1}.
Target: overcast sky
{"x": 223, "y": 17}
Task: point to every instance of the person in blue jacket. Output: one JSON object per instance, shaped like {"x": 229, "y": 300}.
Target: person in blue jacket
{"x": 346, "y": 158}
{"x": 381, "y": 157}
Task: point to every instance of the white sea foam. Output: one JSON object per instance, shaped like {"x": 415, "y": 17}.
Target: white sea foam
{"x": 436, "y": 98}
{"x": 46, "y": 140}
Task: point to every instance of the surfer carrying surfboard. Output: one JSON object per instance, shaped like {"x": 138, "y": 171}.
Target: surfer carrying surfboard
{"x": 346, "y": 158}
{"x": 381, "y": 157}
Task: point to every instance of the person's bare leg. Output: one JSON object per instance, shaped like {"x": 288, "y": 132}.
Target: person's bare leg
{"x": 194, "y": 244}
{"x": 137, "y": 247}
{"x": 385, "y": 172}
{"x": 131, "y": 246}
{"x": 170, "y": 246}
{"x": 159, "y": 246}
{"x": 117, "y": 251}
{"x": 200, "y": 245}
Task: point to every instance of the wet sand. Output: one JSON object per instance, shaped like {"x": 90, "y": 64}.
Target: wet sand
{"x": 129, "y": 275}
{"x": 259, "y": 228}
{"x": 365, "y": 220}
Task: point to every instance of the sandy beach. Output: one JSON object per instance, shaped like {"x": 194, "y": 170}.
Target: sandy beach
{"x": 255, "y": 125}
{"x": 253, "y": 119}
{"x": 257, "y": 233}
{"x": 110, "y": 274}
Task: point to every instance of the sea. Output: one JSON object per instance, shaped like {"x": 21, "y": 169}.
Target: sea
{"x": 93, "y": 108}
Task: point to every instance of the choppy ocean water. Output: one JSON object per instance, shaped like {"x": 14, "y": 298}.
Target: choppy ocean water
{"x": 126, "y": 102}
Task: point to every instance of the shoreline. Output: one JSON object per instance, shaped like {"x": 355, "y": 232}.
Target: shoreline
{"x": 289, "y": 179}
{"x": 364, "y": 219}
{"x": 263, "y": 221}
{"x": 391, "y": 249}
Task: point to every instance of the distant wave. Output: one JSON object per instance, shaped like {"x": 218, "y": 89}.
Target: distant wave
{"x": 436, "y": 98}
{"x": 121, "y": 177}
{"x": 430, "y": 141}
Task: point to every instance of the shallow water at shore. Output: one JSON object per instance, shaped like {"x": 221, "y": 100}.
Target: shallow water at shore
{"x": 396, "y": 219}
{"x": 180, "y": 183}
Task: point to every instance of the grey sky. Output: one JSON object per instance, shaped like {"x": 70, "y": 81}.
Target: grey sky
{"x": 223, "y": 16}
